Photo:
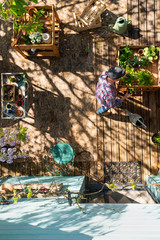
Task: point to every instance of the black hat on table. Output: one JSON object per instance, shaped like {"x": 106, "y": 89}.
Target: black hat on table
{"x": 116, "y": 72}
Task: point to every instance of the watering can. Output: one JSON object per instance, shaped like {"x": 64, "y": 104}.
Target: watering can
{"x": 136, "y": 119}
{"x": 120, "y": 26}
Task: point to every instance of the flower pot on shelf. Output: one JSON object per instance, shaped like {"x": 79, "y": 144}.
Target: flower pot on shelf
{"x": 19, "y": 103}
{"x": 31, "y": 11}
{"x": 140, "y": 52}
{"x": 156, "y": 138}
{"x": 46, "y": 38}
{"x": 19, "y": 112}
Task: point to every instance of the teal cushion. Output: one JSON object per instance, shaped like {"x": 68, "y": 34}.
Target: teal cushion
{"x": 62, "y": 153}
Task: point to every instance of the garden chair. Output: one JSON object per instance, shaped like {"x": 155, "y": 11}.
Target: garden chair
{"x": 90, "y": 17}
{"x": 60, "y": 159}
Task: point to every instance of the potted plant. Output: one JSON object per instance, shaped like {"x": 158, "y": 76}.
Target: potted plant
{"x": 151, "y": 52}
{"x": 35, "y": 38}
{"x": 156, "y": 138}
{"x": 147, "y": 56}
{"x": 11, "y": 141}
{"x": 14, "y": 11}
{"x": 144, "y": 77}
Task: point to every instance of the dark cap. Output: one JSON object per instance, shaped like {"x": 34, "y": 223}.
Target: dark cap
{"x": 116, "y": 72}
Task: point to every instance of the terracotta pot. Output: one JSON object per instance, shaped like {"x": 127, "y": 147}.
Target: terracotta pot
{"x": 140, "y": 52}
{"x": 19, "y": 103}
{"x": 31, "y": 11}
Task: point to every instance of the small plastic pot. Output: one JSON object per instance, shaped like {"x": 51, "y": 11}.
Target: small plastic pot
{"x": 19, "y": 103}
{"x": 141, "y": 52}
{"x": 31, "y": 11}
{"x": 155, "y": 135}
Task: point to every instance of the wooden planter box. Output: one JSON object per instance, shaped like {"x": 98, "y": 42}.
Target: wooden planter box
{"x": 17, "y": 89}
{"x": 154, "y": 68}
{"x": 52, "y": 22}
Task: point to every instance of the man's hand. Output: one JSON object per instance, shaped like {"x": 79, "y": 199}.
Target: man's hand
{"x": 127, "y": 95}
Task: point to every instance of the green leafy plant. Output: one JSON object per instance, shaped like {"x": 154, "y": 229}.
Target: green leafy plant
{"x": 125, "y": 56}
{"x": 13, "y": 11}
{"x": 144, "y": 77}
{"x": 129, "y": 80}
{"x": 135, "y": 62}
{"x": 144, "y": 62}
{"x": 156, "y": 138}
{"x": 33, "y": 25}
{"x": 22, "y": 135}
{"x": 151, "y": 52}
{"x": 29, "y": 194}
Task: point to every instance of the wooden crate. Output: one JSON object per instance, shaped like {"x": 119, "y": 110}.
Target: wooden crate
{"x": 90, "y": 17}
{"x": 43, "y": 49}
{"x": 154, "y": 68}
{"x": 17, "y": 87}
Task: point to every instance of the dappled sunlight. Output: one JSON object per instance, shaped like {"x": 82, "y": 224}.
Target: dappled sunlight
{"x": 45, "y": 214}
{"x": 45, "y": 217}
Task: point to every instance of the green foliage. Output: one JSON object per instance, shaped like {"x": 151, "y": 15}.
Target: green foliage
{"x": 77, "y": 202}
{"x": 156, "y": 138}
{"x": 130, "y": 79}
{"x": 135, "y": 62}
{"x": 125, "y": 55}
{"x": 112, "y": 186}
{"x": 15, "y": 196}
{"x": 29, "y": 195}
{"x": 22, "y": 134}
{"x": 151, "y": 52}
{"x": 133, "y": 185}
{"x": 13, "y": 11}
{"x": 144, "y": 62}
{"x": 1, "y": 132}
{"x": 144, "y": 77}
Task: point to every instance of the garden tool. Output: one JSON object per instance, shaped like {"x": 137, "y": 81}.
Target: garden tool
{"x": 136, "y": 119}
{"x": 120, "y": 26}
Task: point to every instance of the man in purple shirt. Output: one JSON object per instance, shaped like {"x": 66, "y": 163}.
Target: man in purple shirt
{"x": 106, "y": 92}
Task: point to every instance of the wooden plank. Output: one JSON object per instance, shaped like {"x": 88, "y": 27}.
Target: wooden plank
{"x": 153, "y": 129}
{"x": 157, "y": 21}
{"x": 133, "y": 15}
{"x": 108, "y": 59}
{"x": 145, "y": 138}
{"x": 131, "y": 133}
{"x": 138, "y": 131}
{"x": 100, "y": 149}
{"x": 143, "y": 21}
{"x": 150, "y": 21}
